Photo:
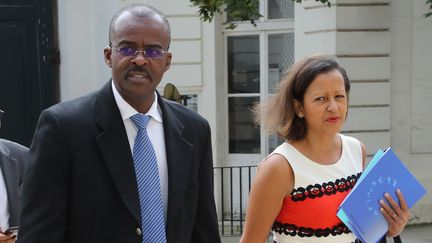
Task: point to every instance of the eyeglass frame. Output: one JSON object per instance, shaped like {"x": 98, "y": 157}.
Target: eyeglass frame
{"x": 117, "y": 48}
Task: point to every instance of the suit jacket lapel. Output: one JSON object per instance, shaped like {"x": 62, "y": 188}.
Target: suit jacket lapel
{"x": 10, "y": 174}
{"x": 115, "y": 149}
{"x": 179, "y": 157}
{"x": 114, "y": 146}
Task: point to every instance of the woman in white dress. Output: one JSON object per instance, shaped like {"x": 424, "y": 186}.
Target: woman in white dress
{"x": 300, "y": 185}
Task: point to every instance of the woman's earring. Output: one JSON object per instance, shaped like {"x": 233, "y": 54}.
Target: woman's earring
{"x": 300, "y": 115}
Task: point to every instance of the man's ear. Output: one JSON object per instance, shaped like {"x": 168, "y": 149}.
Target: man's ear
{"x": 107, "y": 56}
{"x": 168, "y": 61}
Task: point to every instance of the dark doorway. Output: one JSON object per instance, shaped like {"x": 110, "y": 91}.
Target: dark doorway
{"x": 28, "y": 65}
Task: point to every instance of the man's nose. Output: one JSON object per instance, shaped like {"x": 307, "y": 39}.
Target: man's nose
{"x": 140, "y": 59}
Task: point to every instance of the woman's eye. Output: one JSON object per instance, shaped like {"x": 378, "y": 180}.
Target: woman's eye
{"x": 340, "y": 96}
{"x": 321, "y": 98}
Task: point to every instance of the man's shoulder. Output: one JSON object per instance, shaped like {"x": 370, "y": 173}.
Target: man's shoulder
{"x": 74, "y": 111}
{"x": 80, "y": 105}
{"x": 74, "y": 105}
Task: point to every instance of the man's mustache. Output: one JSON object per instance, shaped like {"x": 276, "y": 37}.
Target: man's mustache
{"x": 137, "y": 69}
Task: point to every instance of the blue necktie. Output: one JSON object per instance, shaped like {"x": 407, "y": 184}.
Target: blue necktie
{"x": 147, "y": 176}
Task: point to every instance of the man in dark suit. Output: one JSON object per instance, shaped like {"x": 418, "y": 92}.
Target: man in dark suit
{"x": 81, "y": 184}
{"x": 12, "y": 157}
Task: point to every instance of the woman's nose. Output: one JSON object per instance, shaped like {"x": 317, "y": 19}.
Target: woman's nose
{"x": 332, "y": 105}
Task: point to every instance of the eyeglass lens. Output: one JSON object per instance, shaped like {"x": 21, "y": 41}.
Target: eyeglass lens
{"x": 150, "y": 52}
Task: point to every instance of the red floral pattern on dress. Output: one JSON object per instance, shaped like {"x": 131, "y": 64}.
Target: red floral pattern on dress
{"x": 327, "y": 188}
{"x": 311, "y": 192}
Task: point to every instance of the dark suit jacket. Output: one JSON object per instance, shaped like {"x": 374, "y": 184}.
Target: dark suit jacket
{"x": 81, "y": 187}
{"x": 12, "y": 164}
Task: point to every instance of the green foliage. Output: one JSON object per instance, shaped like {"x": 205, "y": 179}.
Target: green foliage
{"x": 237, "y": 10}
{"x": 429, "y": 2}
{"x": 246, "y": 10}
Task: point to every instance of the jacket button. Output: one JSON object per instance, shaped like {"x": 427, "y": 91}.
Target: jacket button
{"x": 138, "y": 231}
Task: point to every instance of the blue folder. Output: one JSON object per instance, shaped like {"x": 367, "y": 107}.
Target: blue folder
{"x": 360, "y": 211}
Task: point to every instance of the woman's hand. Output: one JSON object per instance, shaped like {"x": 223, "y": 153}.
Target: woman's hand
{"x": 396, "y": 216}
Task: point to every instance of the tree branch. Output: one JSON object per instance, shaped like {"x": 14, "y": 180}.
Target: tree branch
{"x": 236, "y": 10}
{"x": 428, "y": 2}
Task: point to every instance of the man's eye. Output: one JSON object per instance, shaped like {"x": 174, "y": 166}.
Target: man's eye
{"x": 153, "y": 52}
{"x": 127, "y": 51}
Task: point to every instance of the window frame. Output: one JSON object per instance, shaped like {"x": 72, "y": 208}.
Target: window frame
{"x": 263, "y": 29}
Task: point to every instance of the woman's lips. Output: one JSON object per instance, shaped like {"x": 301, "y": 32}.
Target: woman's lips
{"x": 333, "y": 119}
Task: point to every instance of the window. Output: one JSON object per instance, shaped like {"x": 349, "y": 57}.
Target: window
{"x": 244, "y": 91}
{"x": 256, "y": 58}
{"x": 280, "y": 9}
{"x": 280, "y": 57}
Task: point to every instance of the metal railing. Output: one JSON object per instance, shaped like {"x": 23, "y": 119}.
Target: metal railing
{"x": 232, "y": 186}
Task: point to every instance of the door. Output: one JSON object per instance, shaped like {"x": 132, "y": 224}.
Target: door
{"x": 28, "y": 65}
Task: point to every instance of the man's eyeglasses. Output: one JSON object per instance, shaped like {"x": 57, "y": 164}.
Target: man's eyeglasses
{"x": 149, "y": 52}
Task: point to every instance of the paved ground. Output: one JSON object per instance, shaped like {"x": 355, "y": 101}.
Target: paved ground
{"x": 411, "y": 234}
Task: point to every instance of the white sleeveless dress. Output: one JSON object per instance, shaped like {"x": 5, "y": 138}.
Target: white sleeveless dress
{"x": 308, "y": 215}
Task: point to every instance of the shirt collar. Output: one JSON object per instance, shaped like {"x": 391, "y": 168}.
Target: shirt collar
{"x": 126, "y": 110}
